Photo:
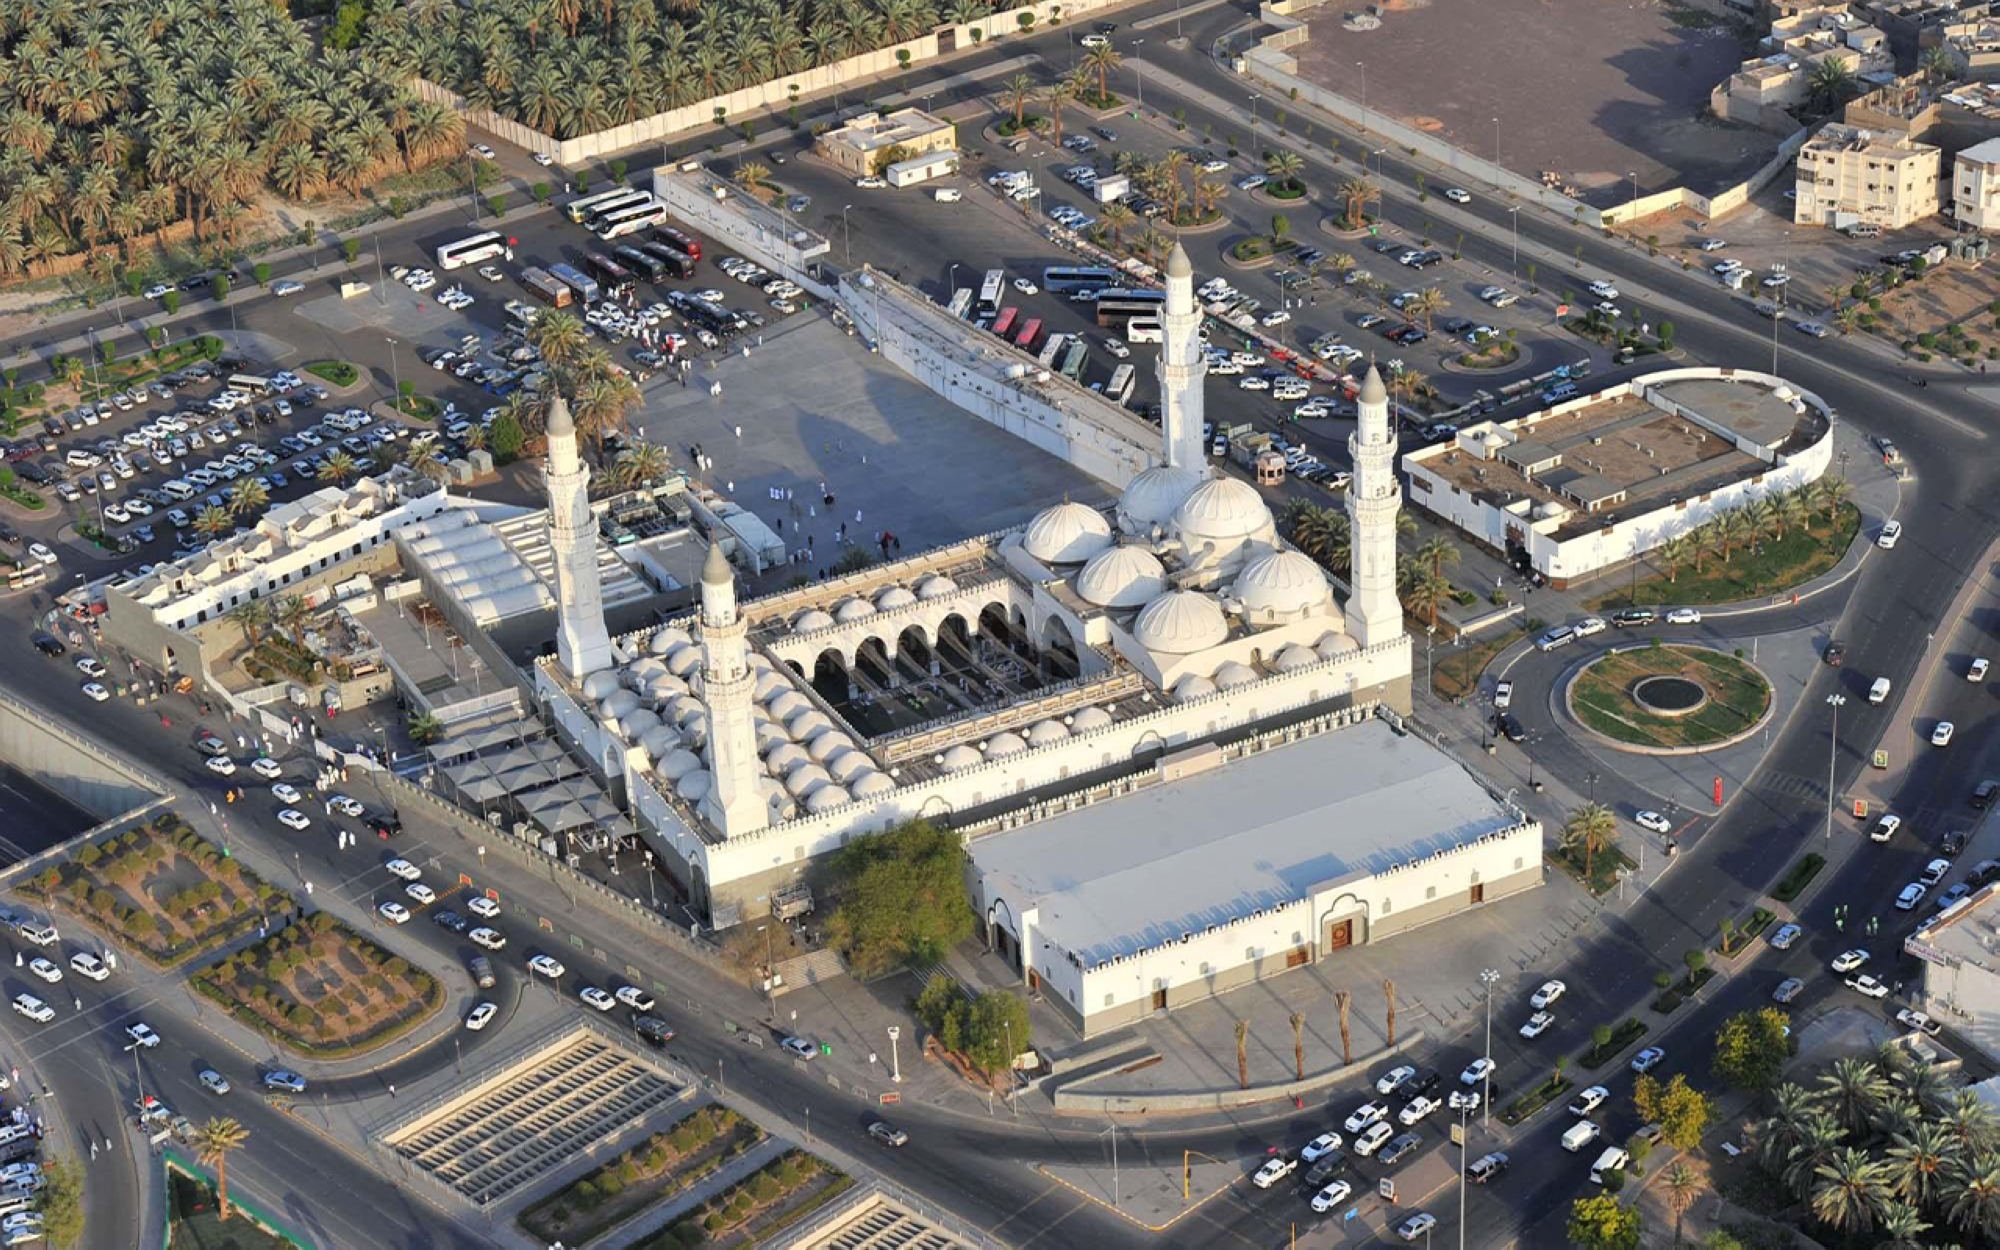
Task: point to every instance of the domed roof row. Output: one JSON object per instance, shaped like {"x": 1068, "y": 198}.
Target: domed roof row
{"x": 887, "y": 599}
{"x": 1122, "y": 577}
{"x": 1181, "y": 622}
{"x": 1281, "y": 584}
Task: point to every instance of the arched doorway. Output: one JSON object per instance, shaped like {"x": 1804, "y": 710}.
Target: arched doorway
{"x": 913, "y": 651}
{"x": 1059, "y": 650}
{"x": 830, "y": 676}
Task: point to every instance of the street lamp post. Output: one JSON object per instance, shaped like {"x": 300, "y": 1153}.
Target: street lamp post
{"x": 1363, "y": 67}
{"x": 395, "y": 376}
{"x": 1139, "y": 74}
{"x": 1634, "y": 175}
{"x": 770, "y": 973}
{"x": 1514, "y": 266}
{"x": 1834, "y": 701}
{"x": 847, "y": 236}
{"x": 381, "y": 292}
{"x": 1464, "y": 1148}
{"x": 1777, "y": 315}
{"x": 895, "y": 1061}
{"x": 1116, "y": 1200}
{"x": 1496, "y": 143}
{"x": 1254, "y": 97}
{"x": 1489, "y": 977}
{"x": 652, "y": 891}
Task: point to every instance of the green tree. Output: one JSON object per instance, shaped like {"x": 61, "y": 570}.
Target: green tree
{"x": 1588, "y": 830}
{"x": 1681, "y": 1110}
{"x": 1281, "y": 226}
{"x": 262, "y": 272}
{"x": 506, "y": 438}
{"x": 1666, "y": 336}
{"x": 213, "y": 522}
{"x": 497, "y": 205}
{"x": 351, "y": 248}
{"x": 1751, "y": 1048}
{"x": 1600, "y": 1222}
{"x": 902, "y": 897}
{"x": 997, "y": 1020}
{"x": 60, "y": 1202}
{"x": 1682, "y": 1183}
{"x": 171, "y": 301}
{"x": 425, "y": 729}
{"x": 1853, "y": 1191}
{"x": 540, "y": 191}
{"x": 213, "y": 1142}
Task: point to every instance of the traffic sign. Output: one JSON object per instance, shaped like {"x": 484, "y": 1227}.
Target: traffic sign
{"x": 1387, "y": 1188}
{"x": 1861, "y": 809}
{"x": 1881, "y": 759}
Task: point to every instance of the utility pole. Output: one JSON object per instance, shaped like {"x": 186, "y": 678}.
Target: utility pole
{"x": 1834, "y": 701}
{"x": 1488, "y": 977}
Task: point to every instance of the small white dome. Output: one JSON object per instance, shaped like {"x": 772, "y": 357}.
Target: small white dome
{"x": 643, "y": 670}
{"x": 783, "y": 759}
{"x": 665, "y": 686}
{"x": 892, "y": 598}
{"x": 771, "y": 735}
{"x": 1283, "y": 584}
{"x": 1224, "y": 509}
{"x": 1193, "y": 686}
{"x": 811, "y": 619}
{"x": 936, "y": 586}
{"x": 677, "y": 764}
{"x": 683, "y": 710}
{"x": 695, "y": 786}
{"x": 780, "y": 803}
{"x": 1088, "y": 719}
{"x": 853, "y": 610}
{"x": 684, "y": 660}
{"x": 618, "y": 704}
{"x": 1234, "y": 676}
{"x": 825, "y": 798}
{"x": 1004, "y": 744}
{"x": 1068, "y": 533}
{"x": 1044, "y": 732}
{"x": 1122, "y": 577}
{"x": 658, "y": 741}
{"x": 807, "y": 725}
{"x": 1334, "y": 644}
{"x": 869, "y": 785}
{"x": 1180, "y": 622}
{"x": 962, "y": 757}
{"x": 1295, "y": 657}
{"x": 600, "y": 685}
{"x": 1151, "y": 498}
{"x": 824, "y": 746}
{"x": 806, "y": 778}
{"x": 769, "y": 686}
{"x": 848, "y": 764}
{"x": 637, "y": 724}
{"x": 787, "y": 704}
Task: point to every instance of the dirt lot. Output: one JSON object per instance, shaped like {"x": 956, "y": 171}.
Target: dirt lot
{"x": 1593, "y": 91}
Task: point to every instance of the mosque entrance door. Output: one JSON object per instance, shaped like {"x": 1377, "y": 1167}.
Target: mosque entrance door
{"x": 1339, "y": 935}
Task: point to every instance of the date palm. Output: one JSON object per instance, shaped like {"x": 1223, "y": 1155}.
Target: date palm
{"x": 338, "y": 468}
{"x": 1779, "y": 1133}
{"x": 1830, "y": 83}
{"x": 1356, "y": 194}
{"x": 1682, "y": 1185}
{"x": 1427, "y": 592}
{"x": 1972, "y": 1195}
{"x": 600, "y": 405}
{"x": 1917, "y": 1163}
{"x": 639, "y": 464}
{"x": 1055, "y": 96}
{"x": 1854, "y": 1089}
{"x": 249, "y": 495}
{"x": 1243, "y": 1054}
{"x": 1342, "y": 1003}
{"x": 252, "y": 617}
{"x": 1820, "y": 1139}
{"x": 1675, "y": 552}
{"x": 292, "y": 614}
{"x": 1829, "y": 493}
{"x": 1436, "y": 551}
{"x": 1903, "y": 1228}
{"x": 1284, "y": 167}
{"x": 1117, "y": 219}
{"x": 1847, "y": 319}
{"x": 1970, "y": 1122}
{"x": 1020, "y": 89}
{"x": 1852, "y": 1192}
{"x": 751, "y": 176}
{"x": 1588, "y": 830}
{"x": 1101, "y": 60}
{"x": 213, "y": 1143}
{"x": 213, "y": 522}
{"x": 427, "y": 460}
{"x": 559, "y": 337}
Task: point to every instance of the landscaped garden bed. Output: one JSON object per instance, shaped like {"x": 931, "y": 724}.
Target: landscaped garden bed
{"x": 754, "y": 1210}
{"x": 1736, "y": 696}
{"x": 162, "y": 889}
{"x": 335, "y": 372}
{"x": 1798, "y": 877}
{"x": 1771, "y": 565}
{"x": 663, "y": 1165}
{"x": 1455, "y": 674}
{"x": 322, "y": 989}
{"x": 1603, "y": 867}
{"x": 1535, "y": 1099}
{"x": 1628, "y": 1030}
{"x": 195, "y": 1223}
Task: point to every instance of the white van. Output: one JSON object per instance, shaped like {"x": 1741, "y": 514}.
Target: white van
{"x": 178, "y": 491}
{"x": 38, "y": 933}
{"x": 1614, "y": 1159}
{"x": 1879, "y": 692}
{"x": 1560, "y": 636}
{"x": 947, "y": 195}
{"x": 1579, "y": 1135}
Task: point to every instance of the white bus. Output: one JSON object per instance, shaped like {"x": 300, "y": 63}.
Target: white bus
{"x": 581, "y": 208}
{"x": 1144, "y": 330}
{"x": 1052, "y": 349}
{"x": 473, "y": 251}
{"x": 610, "y": 208}
{"x": 991, "y": 289}
{"x": 249, "y": 384}
{"x": 629, "y": 220}
{"x": 1119, "y": 388}
{"x": 961, "y": 302}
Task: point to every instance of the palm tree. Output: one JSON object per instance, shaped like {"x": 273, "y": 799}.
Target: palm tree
{"x": 1436, "y": 551}
{"x": 1936, "y": 64}
{"x": 1830, "y": 83}
{"x": 1283, "y": 167}
{"x": 639, "y": 464}
{"x": 1342, "y": 1000}
{"x": 1675, "y": 552}
{"x": 1847, "y": 319}
{"x": 1973, "y": 1194}
{"x": 1101, "y": 60}
{"x": 1779, "y": 1133}
{"x": 1852, "y": 1194}
{"x": 213, "y": 522}
{"x": 1760, "y": 517}
{"x": 1116, "y": 219}
{"x": 213, "y": 1142}
{"x": 1243, "y": 1054}
{"x": 1055, "y": 95}
{"x": 1020, "y": 89}
{"x": 1426, "y": 593}
{"x": 1426, "y": 305}
{"x": 1732, "y": 530}
{"x": 1916, "y": 1164}
{"x": 249, "y": 495}
{"x": 1299, "y": 1045}
{"x": 750, "y": 175}
{"x": 1588, "y": 830}
{"x": 291, "y": 614}
{"x": 1389, "y": 1002}
{"x": 1854, "y": 1090}
{"x": 252, "y": 616}
{"x": 1970, "y": 1121}
{"x": 1790, "y": 508}
{"x": 425, "y": 728}
{"x": 427, "y": 460}
{"x": 1902, "y": 1228}
{"x": 338, "y": 468}
{"x": 1356, "y": 193}
{"x": 559, "y": 338}
{"x": 1831, "y": 492}
{"x": 1819, "y": 1140}
{"x": 1682, "y": 1184}
{"x": 600, "y": 404}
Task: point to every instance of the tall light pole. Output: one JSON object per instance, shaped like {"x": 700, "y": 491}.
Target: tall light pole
{"x": 1514, "y": 266}
{"x": 1138, "y": 74}
{"x": 1834, "y": 701}
{"x": 381, "y": 292}
{"x": 846, "y": 236}
{"x": 1464, "y": 1148}
{"x": 1116, "y": 1200}
{"x": 1489, "y": 977}
{"x": 1254, "y": 97}
{"x": 770, "y": 976}
{"x": 1777, "y": 315}
{"x": 1496, "y": 143}
{"x": 895, "y": 1062}
{"x": 1634, "y": 215}
{"x": 1363, "y": 67}
{"x": 395, "y": 376}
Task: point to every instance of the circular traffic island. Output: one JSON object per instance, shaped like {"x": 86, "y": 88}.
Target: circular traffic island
{"x": 1669, "y": 699}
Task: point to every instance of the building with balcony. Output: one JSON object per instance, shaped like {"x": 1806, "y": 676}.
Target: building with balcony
{"x": 1848, "y": 176}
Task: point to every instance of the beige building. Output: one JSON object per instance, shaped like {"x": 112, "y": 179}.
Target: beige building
{"x": 1848, "y": 176}
{"x": 1779, "y": 78}
{"x": 1960, "y": 950}
{"x": 1975, "y": 186}
{"x": 862, "y": 147}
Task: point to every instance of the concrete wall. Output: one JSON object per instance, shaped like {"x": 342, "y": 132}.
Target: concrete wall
{"x": 70, "y": 764}
{"x": 774, "y": 241}
{"x": 1075, "y": 1098}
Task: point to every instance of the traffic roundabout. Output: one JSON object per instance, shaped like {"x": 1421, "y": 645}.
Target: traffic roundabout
{"x": 1669, "y": 699}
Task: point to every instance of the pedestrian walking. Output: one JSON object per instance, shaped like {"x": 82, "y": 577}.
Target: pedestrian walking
{"x": 739, "y": 431}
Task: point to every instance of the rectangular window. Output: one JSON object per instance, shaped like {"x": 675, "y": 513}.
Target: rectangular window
{"x": 1107, "y": 1000}
{"x": 1430, "y": 892}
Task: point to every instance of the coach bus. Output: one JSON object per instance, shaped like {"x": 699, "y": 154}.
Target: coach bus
{"x": 586, "y": 289}
{"x": 1067, "y": 278}
{"x": 1032, "y": 330}
{"x": 686, "y": 244}
{"x": 961, "y": 303}
{"x": 547, "y": 287}
{"x": 990, "y": 290}
{"x": 475, "y": 250}
{"x": 1052, "y": 350}
{"x": 1119, "y": 305}
{"x": 630, "y": 199}
{"x": 580, "y": 209}
{"x": 1003, "y": 325}
{"x": 629, "y": 220}
{"x": 678, "y": 263}
{"x": 1074, "y": 359}
{"x": 1119, "y": 388}
{"x": 651, "y": 268}
{"x": 615, "y": 278}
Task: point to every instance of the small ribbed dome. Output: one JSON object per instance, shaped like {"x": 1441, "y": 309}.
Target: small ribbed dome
{"x": 771, "y": 735}
{"x": 683, "y": 660}
{"x": 769, "y": 686}
{"x": 806, "y": 778}
{"x": 1068, "y": 533}
{"x": 600, "y": 685}
{"x": 775, "y": 798}
{"x": 1222, "y": 508}
{"x": 695, "y": 786}
{"x": 1044, "y": 732}
{"x": 853, "y": 610}
{"x": 1123, "y": 577}
{"x": 1180, "y": 622}
{"x": 807, "y": 725}
{"x": 677, "y": 764}
{"x": 1234, "y": 676}
{"x": 869, "y": 785}
{"x": 1151, "y": 498}
{"x": 1295, "y": 657}
{"x": 1283, "y": 584}
{"x": 825, "y": 798}
{"x": 637, "y": 724}
{"x": 811, "y": 619}
{"x": 665, "y": 686}
{"x": 787, "y": 704}
{"x": 936, "y": 586}
{"x": 618, "y": 704}
{"x": 658, "y": 741}
{"x": 847, "y": 765}
{"x": 683, "y": 710}
{"x": 783, "y": 759}
{"x": 892, "y": 598}
{"x": 1193, "y": 686}
{"x": 643, "y": 670}
{"x": 961, "y": 757}
{"x": 1331, "y": 645}
{"x": 1088, "y": 719}
{"x": 824, "y": 746}
{"x": 1003, "y": 744}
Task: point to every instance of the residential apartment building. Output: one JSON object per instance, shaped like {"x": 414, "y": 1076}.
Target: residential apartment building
{"x": 1975, "y": 186}
{"x": 1848, "y": 176}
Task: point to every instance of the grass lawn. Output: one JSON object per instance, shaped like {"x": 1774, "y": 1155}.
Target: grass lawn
{"x": 338, "y": 372}
{"x": 1774, "y": 568}
{"x": 195, "y": 1224}
{"x": 1456, "y": 673}
{"x": 1604, "y": 868}
{"x": 1738, "y": 696}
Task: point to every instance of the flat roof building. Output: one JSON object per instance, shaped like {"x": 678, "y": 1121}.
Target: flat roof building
{"x": 1960, "y": 950}
{"x": 866, "y": 145}
{"x": 1848, "y": 176}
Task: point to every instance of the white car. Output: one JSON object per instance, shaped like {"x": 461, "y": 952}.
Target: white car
{"x": 85, "y": 964}
{"x": 293, "y": 818}
{"x": 346, "y": 806}
{"x": 142, "y": 1035}
{"x": 1941, "y": 736}
{"x": 1867, "y": 986}
{"x": 269, "y": 769}
{"x": 1978, "y": 670}
{"x": 287, "y": 793}
{"x": 1911, "y": 1018}
{"x": 1891, "y": 532}
{"x": 394, "y": 912}
{"x": 1654, "y": 821}
{"x": 222, "y": 764}
{"x": 597, "y": 998}
{"x": 1684, "y": 616}
{"x": 1848, "y": 961}
{"x": 95, "y": 692}
{"x": 41, "y": 552}
{"x": 1254, "y": 382}
{"x": 635, "y": 998}
{"x": 544, "y": 160}
{"x": 544, "y": 966}
{"x": 1332, "y": 1196}
{"x": 1366, "y": 1114}
{"x": 404, "y": 868}
{"x": 483, "y": 907}
{"x": 1910, "y": 896}
{"x": 1392, "y": 1080}
{"x": 1538, "y": 1024}
{"x": 1457, "y": 196}
{"x": 1026, "y": 287}
{"x": 1503, "y": 696}
{"x": 1885, "y": 828}
{"x": 1476, "y": 1071}
{"x": 1590, "y": 625}
{"x": 1273, "y": 1171}
{"x": 422, "y": 894}
{"x": 45, "y": 969}
{"x": 34, "y": 1008}
{"x": 491, "y": 939}
{"x": 480, "y": 1016}
{"x": 1370, "y": 1141}
{"x": 1547, "y": 995}
{"x": 1589, "y": 1100}
{"x": 1276, "y": 318}
{"x": 90, "y": 666}
{"x": 1117, "y": 348}
{"x": 873, "y": 183}
{"x": 482, "y": 151}
{"x": 1319, "y": 1147}
{"x": 1418, "y": 1109}
{"x": 1603, "y": 290}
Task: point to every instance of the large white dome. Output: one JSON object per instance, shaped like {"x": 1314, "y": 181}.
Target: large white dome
{"x": 1068, "y": 533}
{"x": 1223, "y": 508}
{"x": 1123, "y": 577}
{"x": 1181, "y": 622}
{"x": 1281, "y": 585}
{"x": 1151, "y": 497}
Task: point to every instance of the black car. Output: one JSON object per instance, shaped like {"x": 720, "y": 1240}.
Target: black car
{"x": 482, "y": 971}
{"x": 1455, "y": 325}
{"x": 1426, "y": 1081}
{"x": 653, "y": 1029}
{"x": 1510, "y": 727}
{"x": 449, "y": 919}
{"x": 1982, "y": 798}
{"x": 1634, "y": 616}
{"x": 1953, "y": 844}
{"x": 1835, "y": 652}
{"x": 1324, "y": 1169}
{"x": 1386, "y": 246}
{"x": 1399, "y": 1149}
{"x": 48, "y": 645}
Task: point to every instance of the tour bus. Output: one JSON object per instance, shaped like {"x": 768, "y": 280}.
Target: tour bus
{"x": 1119, "y": 305}
{"x": 651, "y": 267}
{"x": 991, "y": 289}
{"x": 686, "y": 244}
{"x": 586, "y": 290}
{"x": 475, "y": 250}
{"x": 1074, "y": 358}
{"x": 630, "y": 220}
{"x": 961, "y": 302}
{"x": 1067, "y": 278}
{"x": 580, "y": 209}
{"x": 615, "y": 279}
{"x": 1052, "y": 350}
{"x": 544, "y": 285}
{"x": 1025, "y": 340}
{"x": 678, "y": 263}
{"x": 1119, "y": 388}
{"x": 1146, "y": 329}
{"x": 1003, "y": 325}
{"x": 630, "y": 199}
{"x": 250, "y": 384}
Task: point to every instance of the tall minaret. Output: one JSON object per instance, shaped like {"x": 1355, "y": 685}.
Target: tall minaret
{"x": 735, "y": 802}
{"x": 581, "y": 643}
{"x": 1373, "y": 612}
{"x": 1182, "y": 368}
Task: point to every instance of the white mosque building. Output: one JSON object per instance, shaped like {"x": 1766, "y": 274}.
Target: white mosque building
{"x": 1070, "y": 670}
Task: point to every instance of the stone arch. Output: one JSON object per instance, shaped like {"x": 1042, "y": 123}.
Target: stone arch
{"x": 1149, "y": 742}
{"x": 993, "y": 624}
{"x": 871, "y": 660}
{"x": 1344, "y": 923}
{"x": 796, "y": 667}
{"x": 1003, "y": 933}
{"x": 953, "y": 631}
{"x": 832, "y": 677}
{"x": 698, "y": 890}
{"x": 1059, "y": 658}
{"x": 913, "y": 647}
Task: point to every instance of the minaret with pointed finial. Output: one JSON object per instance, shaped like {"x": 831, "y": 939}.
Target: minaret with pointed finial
{"x": 735, "y": 801}
{"x": 1182, "y": 368}
{"x": 581, "y": 642}
{"x": 1374, "y": 614}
